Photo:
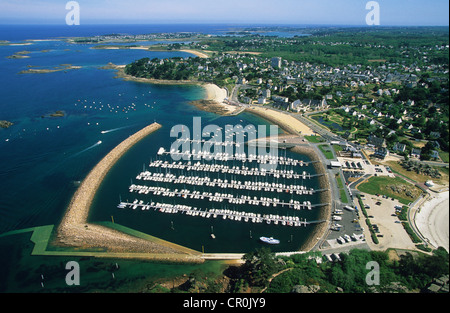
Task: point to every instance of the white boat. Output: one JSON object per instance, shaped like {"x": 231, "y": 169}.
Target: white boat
{"x": 349, "y": 208}
{"x": 269, "y": 240}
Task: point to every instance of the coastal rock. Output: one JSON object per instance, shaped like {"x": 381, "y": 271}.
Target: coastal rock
{"x": 55, "y": 114}
{"x": 305, "y": 289}
{"x": 5, "y": 124}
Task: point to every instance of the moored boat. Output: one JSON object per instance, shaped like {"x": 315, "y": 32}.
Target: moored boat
{"x": 269, "y": 240}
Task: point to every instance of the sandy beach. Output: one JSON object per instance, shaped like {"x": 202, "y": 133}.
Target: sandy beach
{"x": 132, "y": 47}
{"x": 433, "y": 220}
{"x": 74, "y": 230}
{"x": 285, "y": 121}
{"x": 196, "y": 53}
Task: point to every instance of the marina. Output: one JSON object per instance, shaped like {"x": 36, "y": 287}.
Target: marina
{"x": 226, "y": 196}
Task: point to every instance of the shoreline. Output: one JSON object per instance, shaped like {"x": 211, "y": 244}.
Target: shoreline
{"x": 325, "y": 197}
{"x": 432, "y": 219}
{"x": 149, "y": 48}
{"x": 74, "y": 230}
{"x": 63, "y": 67}
{"x": 196, "y": 53}
{"x": 286, "y": 122}
{"x": 215, "y": 101}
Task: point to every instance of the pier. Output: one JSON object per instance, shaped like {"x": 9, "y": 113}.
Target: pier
{"x": 224, "y": 214}
{"x": 224, "y": 156}
{"x": 233, "y": 170}
{"x": 220, "y": 197}
{"x": 75, "y": 231}
{"x": 225, "y": 183}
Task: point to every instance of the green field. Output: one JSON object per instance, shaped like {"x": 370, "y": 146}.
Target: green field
{"x": 342, "y": 193}
{"x": 326, "y": 150}
{"x": 314, "y": 139}
{"x": 444, "y": 156}
{"x": 396, "y": 188}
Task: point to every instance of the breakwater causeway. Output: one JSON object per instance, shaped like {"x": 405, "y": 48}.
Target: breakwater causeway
{"x": 74, "y": 231}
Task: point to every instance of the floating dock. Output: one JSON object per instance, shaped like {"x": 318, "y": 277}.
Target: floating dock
{"x": 225, "y": 214}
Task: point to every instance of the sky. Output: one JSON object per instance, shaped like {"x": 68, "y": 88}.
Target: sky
{"x": 298, "y": 12}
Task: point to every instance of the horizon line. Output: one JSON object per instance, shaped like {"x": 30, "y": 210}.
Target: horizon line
{"x": 217, "y": 23}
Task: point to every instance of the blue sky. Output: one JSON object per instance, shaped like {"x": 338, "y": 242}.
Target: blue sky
{"x": 339, "y": 12}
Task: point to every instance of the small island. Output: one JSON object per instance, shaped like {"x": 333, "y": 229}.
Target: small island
{"x": 5, "y": 124}
{"x": 55, "y": 114}
{"x": 20, "y": 55}
{"x": 62, "y": 67}
{"x": 58, "y": 114}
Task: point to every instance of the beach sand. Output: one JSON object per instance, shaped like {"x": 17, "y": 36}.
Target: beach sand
{"x": 433, "y": 220}
{"x": 216, "y": 98}
{"x": 285, "y": 121}
{"x": 196, "y": 53}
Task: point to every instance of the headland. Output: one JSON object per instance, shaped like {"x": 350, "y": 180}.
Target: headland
{"x": 214, "y": 102}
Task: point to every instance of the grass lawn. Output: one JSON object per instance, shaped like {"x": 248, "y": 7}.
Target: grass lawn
{"x": 326, "y": 150}
{"x": 314, "y": 139}
{"x": 444, "y": 156}
{"x": 342, "y": 193}
{"x": 396, "y": 188}
{"x": 337, "y": 148}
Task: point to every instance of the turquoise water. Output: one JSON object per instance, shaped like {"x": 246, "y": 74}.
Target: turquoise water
{"x": 43, "y": 159}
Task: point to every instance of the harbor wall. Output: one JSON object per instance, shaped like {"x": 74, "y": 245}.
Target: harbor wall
{"x": 325, "y": 197}
{"x": 74, "y": 230}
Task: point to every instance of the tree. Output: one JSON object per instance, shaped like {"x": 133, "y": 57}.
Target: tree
{"x": 259, "y": 266}
{"x": 426, "y": 151}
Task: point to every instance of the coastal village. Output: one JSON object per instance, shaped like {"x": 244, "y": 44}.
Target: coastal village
{"x": 382, "y": 104}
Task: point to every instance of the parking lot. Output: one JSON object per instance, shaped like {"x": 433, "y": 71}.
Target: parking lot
{"x": 348, "y": 229}
{"x": 381, "y": 212}
{"x": 361, "y": 167}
